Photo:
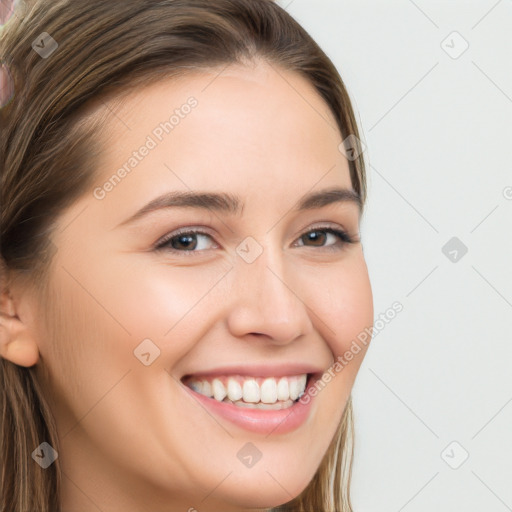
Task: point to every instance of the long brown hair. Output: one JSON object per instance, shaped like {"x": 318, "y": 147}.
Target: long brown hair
{"x": 46, "y": 154}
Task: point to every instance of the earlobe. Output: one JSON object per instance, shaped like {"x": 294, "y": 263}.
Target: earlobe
{"x": 16, "y": 345}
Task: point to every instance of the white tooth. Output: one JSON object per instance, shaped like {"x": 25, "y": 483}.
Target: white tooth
{"x": 219, "y": 391}
{"x": 207, "y": 388}
{"x": 283, "y": 392}
{"x": 197, "y": 386}
{"x": 234, "y": 390}
{"x": 294, "y": 388}
{"x": 251, "y": 391}
{"x": 302, "y": 383}
{"x": 268, "y": 391}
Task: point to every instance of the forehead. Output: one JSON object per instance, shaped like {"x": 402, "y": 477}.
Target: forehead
{"x": 254, "y": 129}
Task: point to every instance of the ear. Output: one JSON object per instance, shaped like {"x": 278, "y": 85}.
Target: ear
{"x": 16, "y": 342}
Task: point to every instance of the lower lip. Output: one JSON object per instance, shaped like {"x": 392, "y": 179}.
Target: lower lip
{"x": 262, "y": 421}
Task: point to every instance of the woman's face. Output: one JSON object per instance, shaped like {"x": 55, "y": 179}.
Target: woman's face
{"x": 262, "y": 293}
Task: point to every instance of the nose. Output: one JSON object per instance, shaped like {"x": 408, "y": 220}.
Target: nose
{"x": 266, "y": 300}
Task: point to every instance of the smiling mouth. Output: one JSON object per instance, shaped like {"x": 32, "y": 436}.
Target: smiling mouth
{"x": 271, "y": 393}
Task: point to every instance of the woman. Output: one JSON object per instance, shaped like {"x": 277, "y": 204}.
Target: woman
{"x": 182, "y": 271}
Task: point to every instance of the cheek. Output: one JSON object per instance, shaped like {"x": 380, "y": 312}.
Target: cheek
{"x": 142, "y": 295}
{"x": 341, "y": 306}
{"x": 104, "y": 313}
{"x": 169, "y": 305}
{"x": 346, "y": 308}
{"x": 155, "y": 301}
{"x": 86, "y": 347}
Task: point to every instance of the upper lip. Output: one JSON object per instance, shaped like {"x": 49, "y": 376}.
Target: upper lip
{"x": 260, "y": 370}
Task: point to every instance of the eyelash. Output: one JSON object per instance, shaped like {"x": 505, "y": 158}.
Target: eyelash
{"x": 342, "y": 236}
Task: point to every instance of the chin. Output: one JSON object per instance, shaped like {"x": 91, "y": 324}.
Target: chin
{"x": 264, "y": 489}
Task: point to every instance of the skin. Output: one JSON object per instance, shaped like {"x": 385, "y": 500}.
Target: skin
{"x": 131, "y": 437}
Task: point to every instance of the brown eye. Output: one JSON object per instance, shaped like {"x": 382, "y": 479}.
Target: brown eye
{"x": 319, "y": 236}
{"x": 187, "y": 242}
{"x": 183, "y": 242}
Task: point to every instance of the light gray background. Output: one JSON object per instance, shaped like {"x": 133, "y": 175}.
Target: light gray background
{"x": 438, "y": 133}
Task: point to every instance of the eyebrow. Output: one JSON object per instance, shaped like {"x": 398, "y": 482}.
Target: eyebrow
{"x": 231, "y": 204}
